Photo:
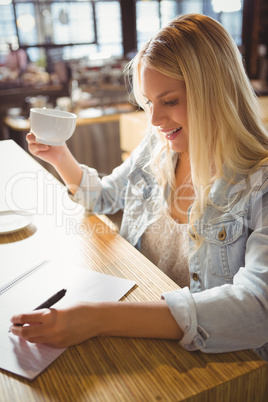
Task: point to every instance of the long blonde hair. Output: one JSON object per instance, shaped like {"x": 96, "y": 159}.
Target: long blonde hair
{"x": 223, "y": 116}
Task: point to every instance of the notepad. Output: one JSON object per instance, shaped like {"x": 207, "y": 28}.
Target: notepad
{"x": 34, "y": 286}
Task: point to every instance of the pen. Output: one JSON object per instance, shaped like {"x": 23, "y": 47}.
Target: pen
{"x": 49, "y": 302}
{"x": 52, "y": 300}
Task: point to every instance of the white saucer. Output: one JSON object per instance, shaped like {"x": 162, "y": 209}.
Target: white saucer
{"x": 12, "y": 221}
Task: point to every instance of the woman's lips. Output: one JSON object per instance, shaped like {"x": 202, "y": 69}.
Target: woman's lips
{"x": 171, "y": 134}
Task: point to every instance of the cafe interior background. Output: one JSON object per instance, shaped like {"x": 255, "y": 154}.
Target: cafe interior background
{"x": 71, "y": 55}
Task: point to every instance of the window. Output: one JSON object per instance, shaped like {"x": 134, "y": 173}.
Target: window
{"x": 84, "y": 26}
{"x": 151, "y": 15}
{"x": 7, "y": 29}
{"x": 108, "y": 21}
{"x": 71, "y": 23}
{"x": 54, "y": 30}
{"x": 148, "y": 20}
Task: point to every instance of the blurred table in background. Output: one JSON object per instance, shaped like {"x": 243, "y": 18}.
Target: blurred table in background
{"x": 260, "y": 87}
{"x": 132, "y": 128}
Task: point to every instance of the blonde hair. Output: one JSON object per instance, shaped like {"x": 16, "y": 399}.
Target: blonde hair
{"x": 223, "y": 116}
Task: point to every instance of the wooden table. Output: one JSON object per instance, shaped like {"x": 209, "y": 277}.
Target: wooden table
{"x": 109, "y": 369}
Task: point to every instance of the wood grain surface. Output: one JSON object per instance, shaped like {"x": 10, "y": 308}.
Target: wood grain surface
{"x": 105, "y": 368}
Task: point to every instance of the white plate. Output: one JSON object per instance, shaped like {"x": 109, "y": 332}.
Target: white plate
{"x": 12, "y": 221}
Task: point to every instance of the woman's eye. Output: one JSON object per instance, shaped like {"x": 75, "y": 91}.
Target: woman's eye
{"x": 167, "y": 103}
{"x": 172, "y": 103}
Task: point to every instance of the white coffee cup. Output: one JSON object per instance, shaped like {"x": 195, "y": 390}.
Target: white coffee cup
{"x": 52, "y": 126}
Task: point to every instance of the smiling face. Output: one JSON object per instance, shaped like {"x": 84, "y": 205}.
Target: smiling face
{"x": 167, "y": 100}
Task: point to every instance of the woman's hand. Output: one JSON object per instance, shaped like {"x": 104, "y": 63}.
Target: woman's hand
{"x": 48, "y": 153}
{"x": 59, "y": 328}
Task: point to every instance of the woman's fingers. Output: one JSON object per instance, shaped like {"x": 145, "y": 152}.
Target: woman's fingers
{"x": 30, "y": 137}
{"x": 36, "y": 148}
{"x": 58, "y": 328}
{"x": 35, "y": 318}
{"x": 39, "y": 326}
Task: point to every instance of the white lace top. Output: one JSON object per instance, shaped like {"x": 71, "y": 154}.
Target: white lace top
{"x": 166, "y": 244}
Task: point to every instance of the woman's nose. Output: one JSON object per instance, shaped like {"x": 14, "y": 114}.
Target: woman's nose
{"x": 158, "y": 116}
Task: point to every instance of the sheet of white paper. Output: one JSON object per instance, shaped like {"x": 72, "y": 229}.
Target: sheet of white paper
{"x": 29, "y": 256}
{"x": 26, "y": 359}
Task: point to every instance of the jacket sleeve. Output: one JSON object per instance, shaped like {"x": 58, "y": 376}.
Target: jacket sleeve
{"x": 233, "y": 316}
{"x": 107, "y": 195}
{"x": 102, "y": 195}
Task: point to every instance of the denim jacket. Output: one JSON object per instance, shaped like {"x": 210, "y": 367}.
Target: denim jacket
{"x": 226, "y": 307}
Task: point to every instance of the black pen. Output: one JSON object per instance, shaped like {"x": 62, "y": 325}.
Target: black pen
{"x": 49, "y": 302}
{"x": 52, "y": 300}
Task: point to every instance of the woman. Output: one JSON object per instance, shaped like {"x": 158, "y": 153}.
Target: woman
{"x": 202, "y": 166}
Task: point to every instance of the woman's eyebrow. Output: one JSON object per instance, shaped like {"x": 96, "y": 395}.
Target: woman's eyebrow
{"x": 166, "y": 93}
{"x": 163, "y": 93}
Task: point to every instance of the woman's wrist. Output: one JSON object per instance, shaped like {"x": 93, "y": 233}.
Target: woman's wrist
{"x": 69, "y": 169}
{"x": 63, "y": 155}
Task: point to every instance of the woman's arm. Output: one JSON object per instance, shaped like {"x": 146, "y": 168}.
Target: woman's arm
{"x": 60, "y": 158}
{"x": 65, "y": 327}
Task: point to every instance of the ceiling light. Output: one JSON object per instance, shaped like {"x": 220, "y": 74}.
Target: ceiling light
{"x": 26, "y": 22}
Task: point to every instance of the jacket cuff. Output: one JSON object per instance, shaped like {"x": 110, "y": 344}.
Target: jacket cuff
{"x": 89, "y": 184}
{"x": 182, "y": 307}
